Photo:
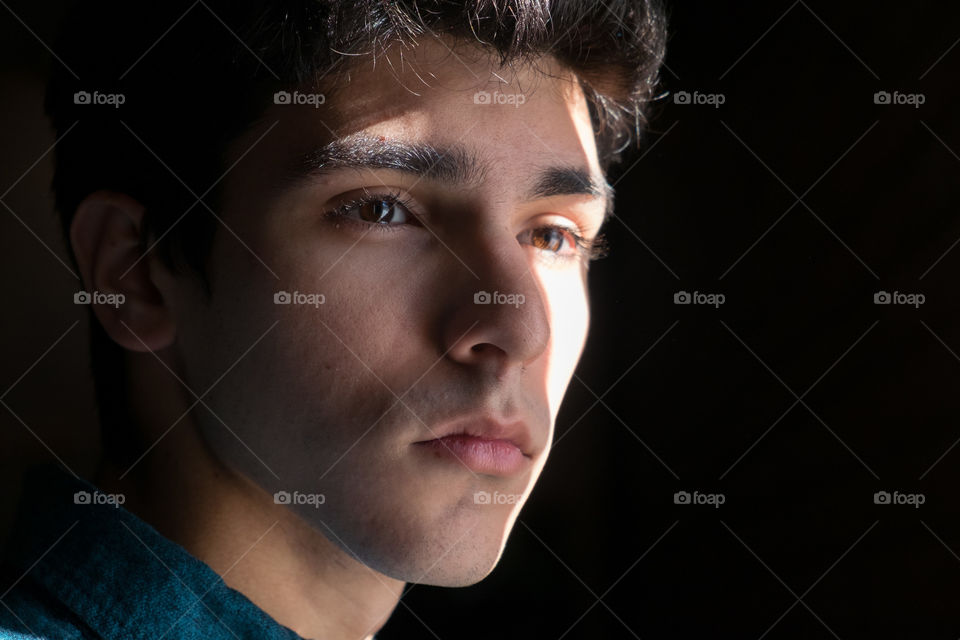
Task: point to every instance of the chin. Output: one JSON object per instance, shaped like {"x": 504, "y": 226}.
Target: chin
{"x": 459, "y": 571}
{"x": 443, "y": 557}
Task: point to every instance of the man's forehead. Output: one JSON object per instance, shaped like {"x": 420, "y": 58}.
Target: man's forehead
{"x": 441, "y": 77}
{"x": 442, "y": 62}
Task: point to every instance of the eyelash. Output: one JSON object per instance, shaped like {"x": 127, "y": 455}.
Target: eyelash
{"x": 589, "y": 249}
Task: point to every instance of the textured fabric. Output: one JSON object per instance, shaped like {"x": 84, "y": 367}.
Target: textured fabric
{"x": 85, "y": 570}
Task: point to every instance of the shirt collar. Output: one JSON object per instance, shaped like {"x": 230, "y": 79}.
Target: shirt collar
{"x": 117, "y": 573}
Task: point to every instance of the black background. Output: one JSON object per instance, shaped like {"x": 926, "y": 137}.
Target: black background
{"x": 797, "y": 199}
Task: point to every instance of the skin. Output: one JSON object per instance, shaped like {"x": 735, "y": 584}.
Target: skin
{"x": 305, "y": 398}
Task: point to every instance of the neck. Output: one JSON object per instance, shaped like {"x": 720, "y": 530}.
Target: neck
{"x": 291, "y": 571}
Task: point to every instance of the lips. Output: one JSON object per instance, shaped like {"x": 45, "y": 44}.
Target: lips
{"x": 483, "y": 445}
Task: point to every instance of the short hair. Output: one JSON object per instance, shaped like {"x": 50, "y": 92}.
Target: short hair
{"x": 195, "y": 76}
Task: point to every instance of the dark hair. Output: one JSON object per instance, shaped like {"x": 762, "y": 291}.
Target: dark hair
{"x": 195, "y": 76}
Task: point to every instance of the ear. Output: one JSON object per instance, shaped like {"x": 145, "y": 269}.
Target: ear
{"x": 106, "y": 238}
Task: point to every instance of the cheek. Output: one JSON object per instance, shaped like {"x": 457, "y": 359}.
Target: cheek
{"x": 317, "y": 346}
{"x": 303, "y": 396}
{"x": 353, "y": 348}
{"x": 568, "y": 311}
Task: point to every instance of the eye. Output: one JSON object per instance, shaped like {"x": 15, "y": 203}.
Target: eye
{"x": 381, "y": 210}
{"x": 564, "y": 243}
{"x": 552, "y": 238}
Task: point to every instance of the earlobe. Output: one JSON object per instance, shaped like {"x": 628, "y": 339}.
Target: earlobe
{"x": 106, "y": 238}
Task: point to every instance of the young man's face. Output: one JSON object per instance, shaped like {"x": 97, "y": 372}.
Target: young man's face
{"x": 313, "y": 407}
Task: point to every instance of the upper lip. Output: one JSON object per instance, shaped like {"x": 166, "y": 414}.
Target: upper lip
{"x": 487, "y": 427}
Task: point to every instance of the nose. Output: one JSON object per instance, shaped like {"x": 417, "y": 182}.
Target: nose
{"x": 499, "y": 320}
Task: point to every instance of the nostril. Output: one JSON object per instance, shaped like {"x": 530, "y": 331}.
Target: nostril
{"x": 484, "y": 347}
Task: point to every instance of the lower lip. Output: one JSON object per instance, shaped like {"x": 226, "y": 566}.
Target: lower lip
{"x": 494, "y": 457}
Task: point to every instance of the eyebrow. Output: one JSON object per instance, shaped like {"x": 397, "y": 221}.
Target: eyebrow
{"x": 451, "y": 165}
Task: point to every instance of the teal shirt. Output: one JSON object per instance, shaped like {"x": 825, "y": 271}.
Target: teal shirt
{"x": 97, "y": 571}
